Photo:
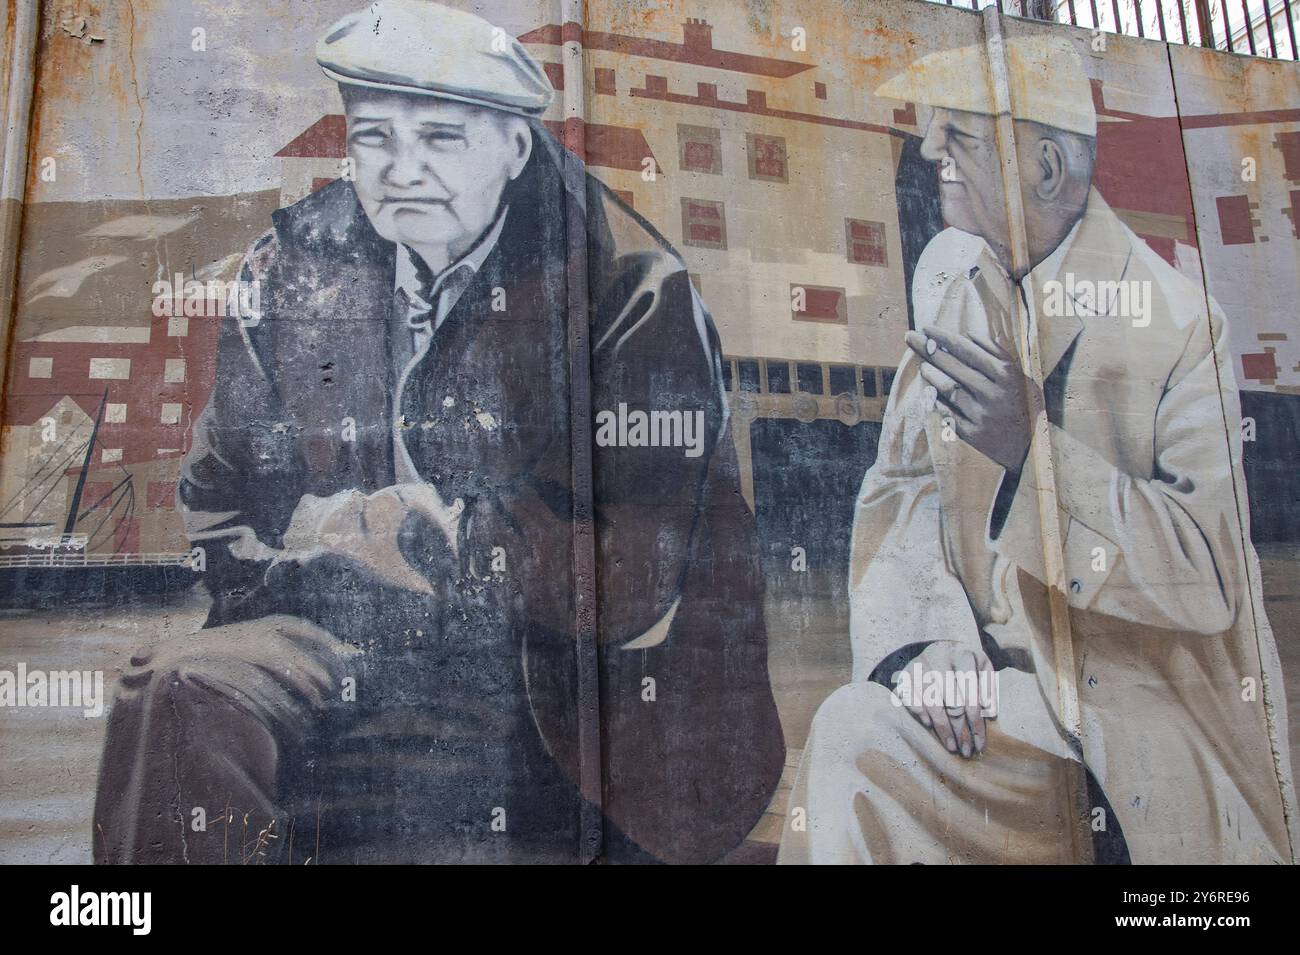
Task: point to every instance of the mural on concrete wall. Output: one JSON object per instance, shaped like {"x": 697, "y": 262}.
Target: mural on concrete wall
{"x": 1068, "y": 371}
{"x": 381, "y": 489}
{"x": 532, "y": 440}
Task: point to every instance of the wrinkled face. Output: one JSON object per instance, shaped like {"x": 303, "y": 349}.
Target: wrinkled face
{"x": 964, "y": 148}
{"x": 430, "y": 172}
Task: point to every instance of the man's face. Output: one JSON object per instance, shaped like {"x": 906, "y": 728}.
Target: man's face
{"x": 964, "y": 147}
{"x": 430, "y": 172}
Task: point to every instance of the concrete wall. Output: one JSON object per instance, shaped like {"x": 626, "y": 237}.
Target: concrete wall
{"x": 342, "y": 614}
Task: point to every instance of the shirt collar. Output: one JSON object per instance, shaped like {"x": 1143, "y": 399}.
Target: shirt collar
{"x": 407, "y": 280}
{"x": 1050, "y": 267}
{"x": 1004, "y": 288}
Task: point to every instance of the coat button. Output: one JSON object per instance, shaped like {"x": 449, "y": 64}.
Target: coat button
{"x": 1075, "y": 586}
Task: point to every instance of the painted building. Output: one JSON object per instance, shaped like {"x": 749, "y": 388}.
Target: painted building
{"x": 424, "y": 485}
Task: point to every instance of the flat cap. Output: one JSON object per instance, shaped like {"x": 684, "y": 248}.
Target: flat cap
{"x": 424, "y": 48}
{"x": 1045, "y": 76}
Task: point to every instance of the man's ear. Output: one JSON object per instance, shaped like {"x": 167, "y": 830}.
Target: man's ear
{"x": 1050, "y": 160}
{"x": 520, "y": 136}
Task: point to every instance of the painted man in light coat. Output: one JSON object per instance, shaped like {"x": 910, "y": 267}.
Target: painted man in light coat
{"x": 1142, "y": 721}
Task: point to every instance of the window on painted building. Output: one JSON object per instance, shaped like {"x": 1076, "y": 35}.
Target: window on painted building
{"x": 171, "y": 412}
{"x": 869, "y": 388}
{"x": 727, "y": 375}
{"x": 818, "y": 303}
{"x": 704, "y": 223}
{"x": 866, "y": 242}
{"x": 819, "y": 90}
{"x": 174, "y": 370}
{"x": 886, "y": 379}
{"x": 810, "y": 378}
{"x": 115, "y": 413}
{"x": 766, "y": 157}
{"x": 843, "y": 379}
{"x": 604, "y": 81}
{"x": 747, "y": 369}
{"x": 778, "y": 377}
{"x": 40, "y": 368}
{"x": 110, "y": 368}
{"x": 699, "y": 149}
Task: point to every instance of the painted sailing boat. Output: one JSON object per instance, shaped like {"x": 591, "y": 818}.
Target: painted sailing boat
{"x": 41, "y": 563}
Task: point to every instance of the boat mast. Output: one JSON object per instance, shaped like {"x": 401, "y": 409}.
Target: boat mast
{"x": 85, "y": 467}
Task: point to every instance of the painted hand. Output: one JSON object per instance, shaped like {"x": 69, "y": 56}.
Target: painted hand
{"x": 950, "y": 689}
{"x": 366, "y": 530}
{"x": 992, "y": 403}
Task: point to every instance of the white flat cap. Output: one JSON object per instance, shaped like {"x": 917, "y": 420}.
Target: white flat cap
{"x": 424, "y": 48}
{"x": 1045, "y": 76}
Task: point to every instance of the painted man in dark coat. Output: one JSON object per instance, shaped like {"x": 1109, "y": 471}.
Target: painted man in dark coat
{"x": 388, "y": 502}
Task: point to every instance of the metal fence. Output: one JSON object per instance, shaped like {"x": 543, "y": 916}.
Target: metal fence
{"x": 1256, "y": 27}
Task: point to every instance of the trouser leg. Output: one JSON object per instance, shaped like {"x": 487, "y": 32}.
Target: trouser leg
{"x": 876, "y": 786}
{"x": 197, "y": 736}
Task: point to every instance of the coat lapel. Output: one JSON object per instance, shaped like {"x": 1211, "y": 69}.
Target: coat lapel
{"x": 1099, "y": 251}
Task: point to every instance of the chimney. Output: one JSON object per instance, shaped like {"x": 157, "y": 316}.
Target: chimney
{"x": 697, "y": 34}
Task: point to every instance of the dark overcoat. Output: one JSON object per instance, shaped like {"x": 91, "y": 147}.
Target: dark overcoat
{"x": 468, "y": 700}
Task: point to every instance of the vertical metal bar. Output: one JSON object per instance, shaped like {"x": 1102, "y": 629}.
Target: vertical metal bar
{"x": 1227, "y": 27}
{"x": 1268, "y": 22}
{"x": 1182, "y": 19}
{"x": 1205, "y": 23}
{"x": 1119, "y": 24}
{"x": 1137, "y": 8}
{"x": 1040, "y": 463}
{"x": 1290, "y": 29}
{"x": 1096, "y": 20}
{"x": 1074, "y": 17}
{"x": 1245, "y": 15}
{"x": 586, "y": 621}
{"x": 17, "y": 106}
{"x": 1160, "y": 16}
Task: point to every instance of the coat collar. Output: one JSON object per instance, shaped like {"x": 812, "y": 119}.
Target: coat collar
{"x": 1097, "y": 249}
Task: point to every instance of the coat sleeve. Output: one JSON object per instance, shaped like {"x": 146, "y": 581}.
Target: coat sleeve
{"x": 1163, "y": 550}
{"x": 659, "y": 355}
{"x": 241, "y": 478}
{"x": 903, "y": 591}
{"x": 653, "y": 350}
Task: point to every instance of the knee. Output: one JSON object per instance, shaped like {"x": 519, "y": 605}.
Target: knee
{"x": 862, "y": 722}
{"x": 181, "y": 678}
{"x": 864, "y": 705}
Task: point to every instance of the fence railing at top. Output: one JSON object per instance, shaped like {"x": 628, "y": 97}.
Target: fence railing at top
{"x": 1256, "y": 27}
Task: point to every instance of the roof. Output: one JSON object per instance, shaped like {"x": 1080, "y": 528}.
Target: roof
{"x": 616, "y": 147}
{"x": 696, "y": 49}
